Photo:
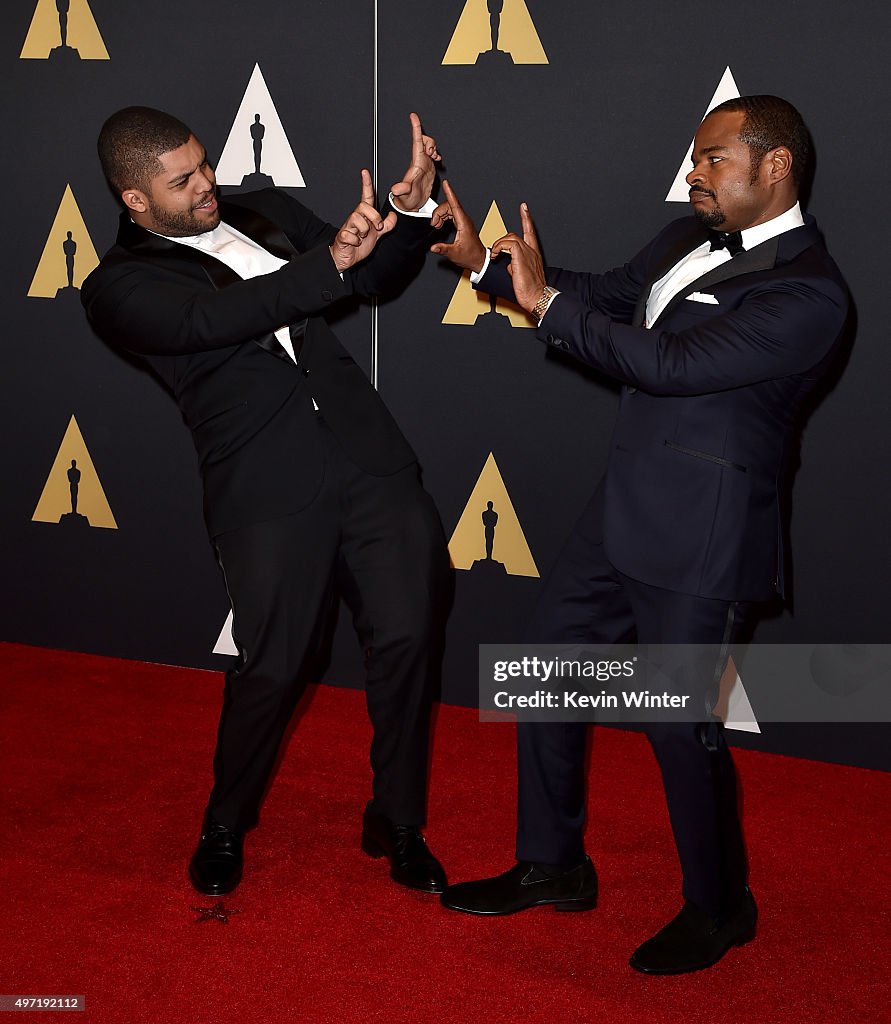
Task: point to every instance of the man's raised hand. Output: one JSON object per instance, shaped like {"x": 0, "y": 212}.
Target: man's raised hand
{"x": 526, "y": 267}
{"x": 466, "y": 251}
{"x": 361, "y": 230}
{"x": 414, "y": 190}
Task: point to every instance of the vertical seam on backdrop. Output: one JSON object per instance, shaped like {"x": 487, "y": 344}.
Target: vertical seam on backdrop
{"x": 374, "y": 172}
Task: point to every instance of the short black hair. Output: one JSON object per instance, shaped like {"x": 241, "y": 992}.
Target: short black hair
{"x": 131, "y": 141}
{"x": 771, "y": 122}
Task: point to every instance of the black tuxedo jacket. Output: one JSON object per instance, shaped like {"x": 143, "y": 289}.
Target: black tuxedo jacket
{"x": 707, "y": 419}
{"x": 209, "y": 335}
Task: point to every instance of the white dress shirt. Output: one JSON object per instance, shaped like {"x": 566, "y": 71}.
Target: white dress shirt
{"x": 702, "y": 260}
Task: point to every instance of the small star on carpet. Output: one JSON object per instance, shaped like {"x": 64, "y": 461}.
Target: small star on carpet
{"x": 217, "y": 912}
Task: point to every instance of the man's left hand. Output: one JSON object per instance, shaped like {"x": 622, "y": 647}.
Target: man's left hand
{"x": 414, "y": 190}
{"x": 526, "y": 267}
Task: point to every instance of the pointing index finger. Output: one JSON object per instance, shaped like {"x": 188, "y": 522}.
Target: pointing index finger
{"x": 454, "y": 203}
{"x": 529, "y": 235}
{"x": 367, "y": 187}
{"x": 417, "y": 134}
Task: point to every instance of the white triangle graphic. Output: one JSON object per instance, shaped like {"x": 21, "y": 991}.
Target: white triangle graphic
{"x": 277, "y": 159}
{"x": 734, "y": 705}
{"x": 225, "y": 644}
{"x": 680, "y": 190}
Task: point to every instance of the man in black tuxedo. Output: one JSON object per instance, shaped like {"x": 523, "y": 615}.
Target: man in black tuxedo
{"x": 718, "y": 330}
{"x": 309, "y": 486}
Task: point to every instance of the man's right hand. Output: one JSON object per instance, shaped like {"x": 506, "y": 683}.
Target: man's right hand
{"x": 467, "y": 251}
{"x": 362, "y": 230}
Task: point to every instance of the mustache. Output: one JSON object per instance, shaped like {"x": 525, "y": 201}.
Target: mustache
{"x": 704, "y": 191}
{"x": 205, "y": 197}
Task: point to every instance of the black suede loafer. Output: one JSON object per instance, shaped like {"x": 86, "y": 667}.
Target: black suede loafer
{"x": 411, "y": 862}
{"x": 215, "y": 867}
{"x": 526, "y": 885}
{"x": 693, "y": 940}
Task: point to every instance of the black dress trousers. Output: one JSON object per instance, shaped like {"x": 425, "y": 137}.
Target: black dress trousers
{"x": 379, "y": 540}
{"x": 586, "y": 600}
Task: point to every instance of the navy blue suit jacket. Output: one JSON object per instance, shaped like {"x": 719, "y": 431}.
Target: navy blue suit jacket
{"x": 709, "y": 413}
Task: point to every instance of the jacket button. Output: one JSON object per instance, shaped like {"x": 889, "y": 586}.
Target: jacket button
{"x": 305, "y": 372}
{"x": 632, "y": 391}
{"x": 327, "y": 296}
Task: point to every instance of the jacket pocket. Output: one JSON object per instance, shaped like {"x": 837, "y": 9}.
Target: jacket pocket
{"x": 705, "y": 455}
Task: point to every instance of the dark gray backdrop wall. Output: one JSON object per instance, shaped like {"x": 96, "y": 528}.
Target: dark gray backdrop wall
{"x": 592, "y": 139}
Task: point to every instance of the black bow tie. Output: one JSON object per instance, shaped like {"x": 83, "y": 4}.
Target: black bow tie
{"x": 729, "y": 240}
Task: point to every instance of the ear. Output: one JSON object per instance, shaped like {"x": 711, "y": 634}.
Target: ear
{"x": 779, "y": 164}
{"x": 134, "y": 200}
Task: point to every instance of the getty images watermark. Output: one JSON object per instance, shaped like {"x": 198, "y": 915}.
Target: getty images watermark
{"x": 685, "y": 682}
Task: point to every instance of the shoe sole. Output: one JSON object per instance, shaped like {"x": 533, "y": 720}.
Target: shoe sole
{"x": 743, "y": 940}
{"x": 581, "y": 904}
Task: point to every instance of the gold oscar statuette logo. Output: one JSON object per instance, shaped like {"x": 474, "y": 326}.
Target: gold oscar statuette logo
{"x": 73, "y": 496}
{"x": 488, "y": 537}
{"x": 64, "y": 32}
{"x": 496, "y": 33}
{"x": 468, "y": 305}
{"x": 68, "y": 256}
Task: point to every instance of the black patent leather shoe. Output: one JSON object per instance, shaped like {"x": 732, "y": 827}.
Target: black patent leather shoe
{"x": 524, "y": 886}
{"x": 411, "y": 862}
{"x": 215, "y": 867}
{"x": 693, "y": 941}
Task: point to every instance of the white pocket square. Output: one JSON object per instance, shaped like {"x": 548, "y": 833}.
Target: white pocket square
{"x": 703, "y": 297}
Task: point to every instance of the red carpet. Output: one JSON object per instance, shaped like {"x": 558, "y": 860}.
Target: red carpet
{"x": 105, "y": 768}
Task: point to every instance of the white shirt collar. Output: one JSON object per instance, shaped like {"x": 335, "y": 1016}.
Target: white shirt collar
{"x": 792, "y": 218}
{"x": 206, "y": 240}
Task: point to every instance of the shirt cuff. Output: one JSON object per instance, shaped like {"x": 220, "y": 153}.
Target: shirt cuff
{"x": 477, "y": 276}
{"x": 425, "y": 211}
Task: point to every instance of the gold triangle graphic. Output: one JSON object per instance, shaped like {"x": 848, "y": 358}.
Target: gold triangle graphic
{"x": 73, "y": 482}
{"x": 508, "y": 21}
{"x": 510, "y": 552}
{"x": 62, "y": 253}
{"x": 468, "y": 305}
{"x": 82, "y": 36}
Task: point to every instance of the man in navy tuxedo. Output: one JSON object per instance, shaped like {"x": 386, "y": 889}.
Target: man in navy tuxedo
{"x": 309, "y": 486}
{"x": 718, "y": 330}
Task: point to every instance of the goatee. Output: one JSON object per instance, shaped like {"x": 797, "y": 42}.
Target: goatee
{"x": 709, "y": 218}
{"x": 183, "y": 223}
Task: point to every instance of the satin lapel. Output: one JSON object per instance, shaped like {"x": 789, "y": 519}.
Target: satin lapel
{"x": 138, "y": 240}
{"x": 675, "y": 254}
{"x": 262, "y": 231}
{"x": 762, "y": 257}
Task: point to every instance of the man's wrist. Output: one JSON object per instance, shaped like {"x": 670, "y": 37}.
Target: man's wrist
{"x": 336, "y": 264}
{"x": 423, "y": 211}
{"x": 548, "y": 294}
{"x": 477, "y": 275}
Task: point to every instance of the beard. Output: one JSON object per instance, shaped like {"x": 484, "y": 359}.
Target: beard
{"x": 180, "y": 223}
{"x": 712, "y": 218}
